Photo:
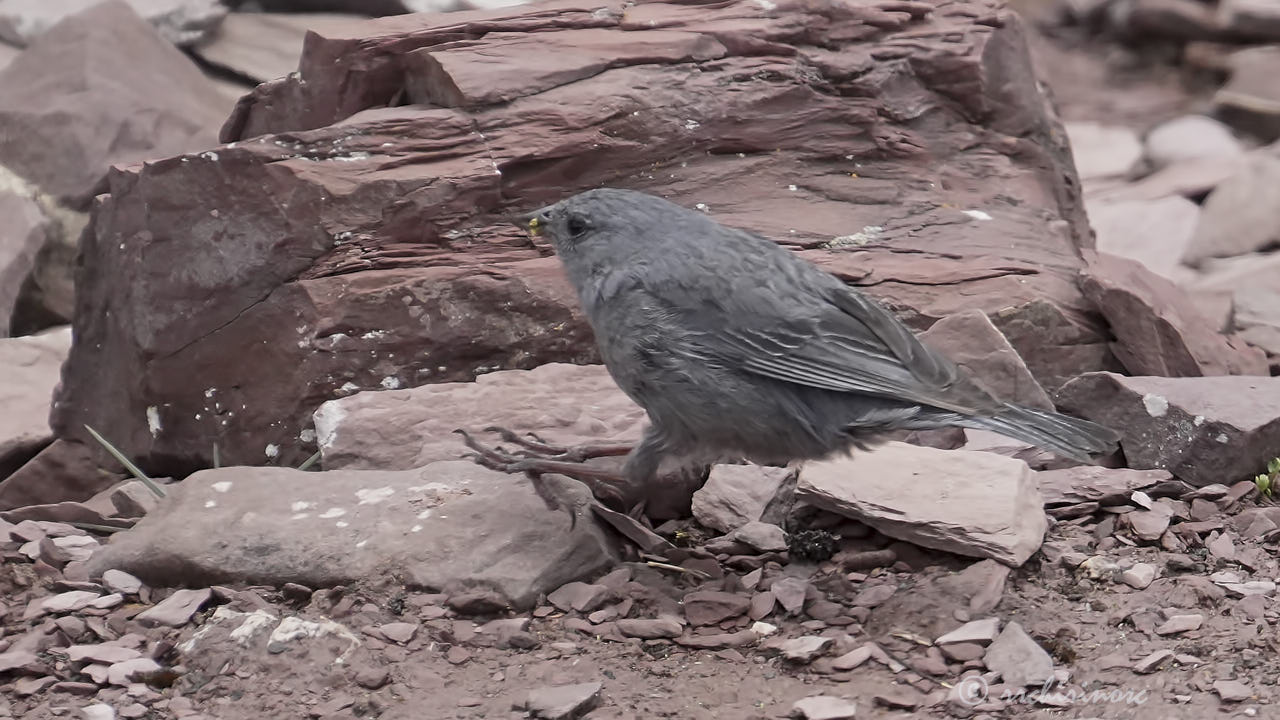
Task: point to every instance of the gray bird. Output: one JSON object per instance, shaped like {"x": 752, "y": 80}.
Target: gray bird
{"x": 738, "y": 348}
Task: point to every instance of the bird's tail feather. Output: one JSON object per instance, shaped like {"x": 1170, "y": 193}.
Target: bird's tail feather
{"x": 1067, "y": 436}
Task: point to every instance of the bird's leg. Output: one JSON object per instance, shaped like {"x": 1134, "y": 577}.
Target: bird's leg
{"x": 607, "y": 486}
{"x": 581, "y": 453}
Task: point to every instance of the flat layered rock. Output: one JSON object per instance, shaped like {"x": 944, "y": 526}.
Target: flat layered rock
{"x": 969, "y": 503}
{"x": 1203, "y": 430}
{"x": 352, "y": 233}
{"x": 449, "y": 526}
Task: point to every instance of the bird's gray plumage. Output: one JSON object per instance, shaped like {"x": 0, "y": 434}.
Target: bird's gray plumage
{"x": 736, "y": 347}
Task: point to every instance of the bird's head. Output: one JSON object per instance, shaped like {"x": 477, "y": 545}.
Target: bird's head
{"x": 602, "y": 227}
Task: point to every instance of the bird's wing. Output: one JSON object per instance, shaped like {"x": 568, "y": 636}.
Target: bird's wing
{"x": 817, "y": 332}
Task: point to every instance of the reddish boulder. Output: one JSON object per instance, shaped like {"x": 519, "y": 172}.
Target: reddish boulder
{"x": 351, "y": 235}
{"x": 100, "y": 87}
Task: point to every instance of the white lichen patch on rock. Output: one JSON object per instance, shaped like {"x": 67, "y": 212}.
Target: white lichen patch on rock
{"x": 1156, "y": 406}
{"x": 221, "y": 486}
{"x": 153, "y": 420}
{"x": 373, "y": 496}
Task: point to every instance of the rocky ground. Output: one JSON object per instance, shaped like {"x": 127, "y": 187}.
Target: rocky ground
{"x": 321, "y": 268}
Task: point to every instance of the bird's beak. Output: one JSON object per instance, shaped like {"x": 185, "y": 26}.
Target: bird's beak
{"x": 533, "y": 222}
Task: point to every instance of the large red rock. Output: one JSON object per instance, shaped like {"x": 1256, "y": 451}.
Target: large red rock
{"x": 100, "y": 87}
{"x": 351, "y": 234}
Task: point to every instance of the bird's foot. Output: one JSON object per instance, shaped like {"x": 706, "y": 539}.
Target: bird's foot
{"x": 538, "y": 458}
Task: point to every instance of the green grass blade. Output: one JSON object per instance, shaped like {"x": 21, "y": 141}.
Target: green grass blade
{"x": 128, "y": 464}
{"x": 310, "y": 461}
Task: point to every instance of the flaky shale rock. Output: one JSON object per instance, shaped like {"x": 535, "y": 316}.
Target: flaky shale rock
{"x": 969, "y": 503}
{"x": 1202, "y": 429}
{"x": 352, "y": 232}
{"x": 448, "y": 526}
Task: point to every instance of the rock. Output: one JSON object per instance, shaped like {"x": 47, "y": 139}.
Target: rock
{"x": 852, "y": 659}
{"x": 1190, "y": 137}
{"x": 1250, "y": 100}
{"x": 126, "y": 672}
{"x": 23, "y": 235}
{"x": 98, "y": 711}
{"x": 374, "y": 313}
{"x": 1189, "y": 179}
{"x": 898, "y": 698}
{"x": 1236, "y": 217}
{"x": 1203, "y": 430}
{"x": 709, "y": 607}
{"x": 68, "y": 601}
{"x": 579, "y": 596}
{"x": 1153, "y": 232}
{"x": 650, "y": 628}
{"x": 1222, "y": 547}
{"x": 790, "y": 592}
{"x": 20, "y": 660}
{"x": 265, "y": 46}
{"x": 804, "y": 649}
{"x": 104, "y": 654}
{"x": 762, "y": 537}
{"x": 983, "y": 632}
{"x": 981, "y": 584}
{"x": 32, "y": 365}
{"x": 371, "y": 677}
{"x": 735, "y": 495}
{"x": 1232, "y": 690}
{"x": 742, "y": 638}
{"x": 874, "y": 596}
{"x": 1018, "y": 658}
{"x": 399, "y": 632}
{"x": 824, "y": 707}
{"x": 1180, "y": 624}
{"x": 138, "y": 85}
{"x": 175, "y": 610}
{"x": 1093, "y": 483}
{"x": 973, "y": 343}
{"x": 1153, "y": 662}
{"x": 1149, "y": 525}
{"x": 762, "y": 605}
{"x": 563, "y": 702}
{"x": 1103, "y": 151}
{"x": 963, "y": 652}
{"x": 1159, "y": 329}
{"x": 181, "y": 22}
{"x": 1139, "y": 576}
{"x": 450, "y": 526}
{"x": 133, "y": 499}
{"x": 63, "y": 471}
{"x": 978, "y": 504}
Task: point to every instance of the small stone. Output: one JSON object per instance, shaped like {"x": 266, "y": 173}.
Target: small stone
{"x": 123, "y": 673}
{"x": 898, "y": 698}
{"x": 105, "y": 654}
{"x": 98, "y": 711}
{"x": 705, "y": 607}
{"x": 175, "y": 610}
{"x": 1180, "y": 624}
{"x": 563, "y": 702}
{"x": 760, "y": 536}
{"x": 106, "y": 602}
{"x": 761, "y": 605}
{"x": 1149, "y": 525}
{"x": 1232, "y": 690}
{"x": 874, "y": 596}
{"x": 650, "y": 629}
{"x": 852, "y": 659}
{"x": 579, "y": 596}
{"x": 790, "y": 593}
{"x": 804, "y": 649}
{"x": 457, "y": 655}
{"x": 1153, "y": 662}
{"x": 1018, "y": 658}
{"x": 399, "y": 632}
{"x": 963, "y": 652}
{"x": 983, "y": 632}
{"x": 1222, "y": 547}
{"x": 75, "y": 688}
{"x": 763, "y": 629}
{"x": 1139, "y": 576}
{"x": 68, "y": 601}
{"x": 824, "y": 707}
{"x": 134, "y": 711}
{"x": 742, "y": 638}
{"x": 371, "y": 677}
{"x": 22, "y": 687}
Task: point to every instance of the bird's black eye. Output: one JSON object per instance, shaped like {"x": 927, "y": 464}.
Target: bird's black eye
{"x": 577, "y": 225}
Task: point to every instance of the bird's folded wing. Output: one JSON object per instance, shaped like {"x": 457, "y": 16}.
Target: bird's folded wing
{"x": 849, "y": 344}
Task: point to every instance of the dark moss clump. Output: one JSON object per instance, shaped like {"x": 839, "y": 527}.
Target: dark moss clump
{"x": 812, "y": 545}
